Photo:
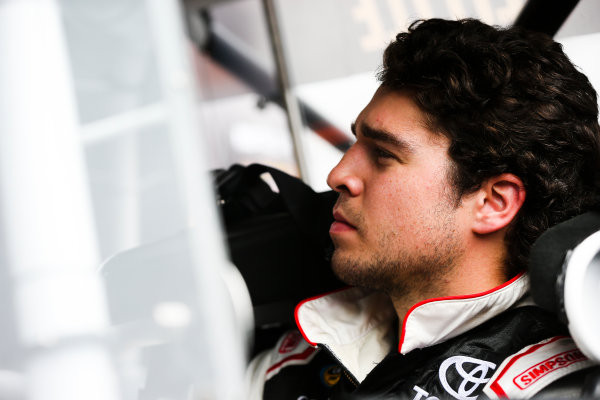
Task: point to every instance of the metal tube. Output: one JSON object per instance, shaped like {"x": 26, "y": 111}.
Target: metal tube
{"x": 223, "y": 335}
{"x": 290, "y": 101}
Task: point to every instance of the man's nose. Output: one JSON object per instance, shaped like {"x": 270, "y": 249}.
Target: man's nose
{"x": 344, "y": 178}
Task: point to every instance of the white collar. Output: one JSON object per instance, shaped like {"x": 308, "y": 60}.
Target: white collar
{"x": 357, "y": 325}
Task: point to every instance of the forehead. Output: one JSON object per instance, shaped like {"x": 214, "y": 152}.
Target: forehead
{"x": 397, "y": 113}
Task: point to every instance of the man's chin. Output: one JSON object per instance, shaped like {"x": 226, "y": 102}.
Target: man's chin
{"x": 340, "y": 265}
{"x": 356, "y": 271}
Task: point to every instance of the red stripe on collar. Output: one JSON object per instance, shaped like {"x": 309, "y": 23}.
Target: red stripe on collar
{"x": 463, "y": 297}
{"x": 309, "y": 300}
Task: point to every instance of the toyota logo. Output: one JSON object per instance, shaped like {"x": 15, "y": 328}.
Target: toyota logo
{"x": 472, "y": 371}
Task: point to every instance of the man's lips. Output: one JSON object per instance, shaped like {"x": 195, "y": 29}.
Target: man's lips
{"x": 340, "y": 224}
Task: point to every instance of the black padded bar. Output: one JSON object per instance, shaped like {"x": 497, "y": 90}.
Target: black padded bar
{"x": 545, "y": 16}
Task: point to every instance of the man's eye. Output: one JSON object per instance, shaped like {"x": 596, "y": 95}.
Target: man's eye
{"x": 381, "y": 154}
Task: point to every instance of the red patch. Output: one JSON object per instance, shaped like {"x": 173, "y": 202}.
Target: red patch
{"x": 290, "y": 342}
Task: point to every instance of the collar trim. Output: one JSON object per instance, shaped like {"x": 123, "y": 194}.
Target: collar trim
{"x": 357, "y": 326}
{"x": 310, "y": 299}
{"x": 435, "y": 320}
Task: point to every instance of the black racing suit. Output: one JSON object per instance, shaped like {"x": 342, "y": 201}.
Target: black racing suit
{"x": 494, "y": 344}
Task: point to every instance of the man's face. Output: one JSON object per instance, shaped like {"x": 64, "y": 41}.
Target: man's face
{"x": 397, "y": 218}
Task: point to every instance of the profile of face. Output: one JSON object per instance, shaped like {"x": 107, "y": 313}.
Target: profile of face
{"x": 397, "y": 219}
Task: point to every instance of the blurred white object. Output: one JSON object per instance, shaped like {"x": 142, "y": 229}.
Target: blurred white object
{"x": 12, "y": 386}
{"x": 68, "y": 345}
{"x": 50, "y": 241}
{"x": 582, "y": 295}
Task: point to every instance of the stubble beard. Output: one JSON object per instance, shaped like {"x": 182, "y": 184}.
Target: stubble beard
{"x": 401, "y": 272}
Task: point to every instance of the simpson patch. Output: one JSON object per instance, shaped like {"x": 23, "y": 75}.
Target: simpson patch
{"x": 527, "y": 372}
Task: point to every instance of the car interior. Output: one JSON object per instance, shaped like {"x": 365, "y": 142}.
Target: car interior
{"x": 163, "y": 163}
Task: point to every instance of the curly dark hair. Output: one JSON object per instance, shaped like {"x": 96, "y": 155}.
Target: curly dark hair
{"x": 510, "y": 101}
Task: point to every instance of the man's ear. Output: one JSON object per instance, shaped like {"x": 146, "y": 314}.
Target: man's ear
{"x": 498, "y": 201}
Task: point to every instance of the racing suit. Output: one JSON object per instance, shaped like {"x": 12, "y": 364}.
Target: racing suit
{"x": 493, "y": 344}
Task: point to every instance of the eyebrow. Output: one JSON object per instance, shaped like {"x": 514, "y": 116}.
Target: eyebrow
{"x": 383, "y": 136}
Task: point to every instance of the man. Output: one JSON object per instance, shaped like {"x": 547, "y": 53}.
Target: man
{"x": 477, "y": 141}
